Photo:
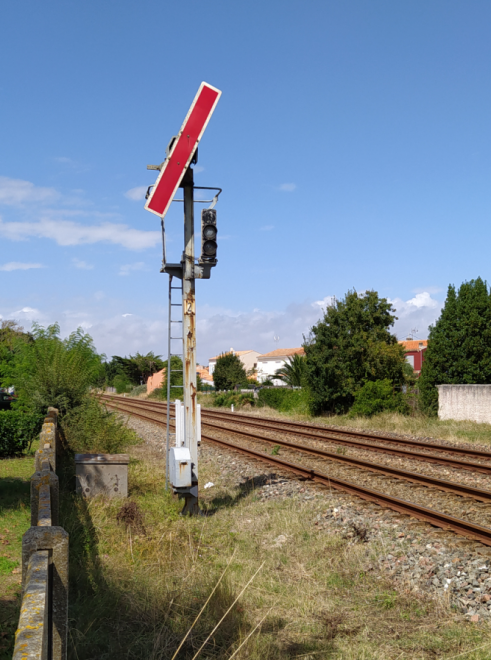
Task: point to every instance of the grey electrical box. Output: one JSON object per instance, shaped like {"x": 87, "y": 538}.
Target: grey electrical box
{"x": 180, "y": 467}
{"x": 102, "y": 474}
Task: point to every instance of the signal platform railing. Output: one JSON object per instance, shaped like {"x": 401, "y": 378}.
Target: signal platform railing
{"x": 42, "y": 630}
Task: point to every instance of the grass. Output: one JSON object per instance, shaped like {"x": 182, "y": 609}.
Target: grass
{"x": 418, "y": 425}
{"x": 137, "y": 584}
{"x": 136, "y": 589}
{"x": 15, "y": 519}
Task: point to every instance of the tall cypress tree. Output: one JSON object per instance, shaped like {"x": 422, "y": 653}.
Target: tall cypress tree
{"x": 459, "y": 344}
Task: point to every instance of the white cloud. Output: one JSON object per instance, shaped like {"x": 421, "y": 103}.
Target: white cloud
{"x": 17, "y": 265}
{"x": 27, "y": 314}
{"x": 267, "y": 228}
{"x": 416, "y": 314}
{"x": 15, "y": 192}
{"x": 287, "y": 187}
{"x": 136, "y": 194}
{"x": 198, "y": 169}
{"x": 128, "y": 268}
{"x": 83, "y": 265}
{"x": 68, "y": 232}
{"x": 126, "y": 315}
{"x": 325, "y": 302}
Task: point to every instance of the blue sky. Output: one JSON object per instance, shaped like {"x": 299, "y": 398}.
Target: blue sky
{"x": 351, "y": 142}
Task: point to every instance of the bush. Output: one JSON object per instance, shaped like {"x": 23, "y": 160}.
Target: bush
{"x": 378, "y": 396}
{"x": 18, "y": 430}
{"x": 53, "y": 372}
{"x": 284, "y": 399}
{"x": 139, "y": 389}
{"x": 122, "y": 384}
{"x": 226, "y": 399}
{"x": 93, "y": 429}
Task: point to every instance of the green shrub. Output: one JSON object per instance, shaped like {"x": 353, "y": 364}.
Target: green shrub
{"x": 378, "y": 396}
{"x": 284, "y": 400}
{"x": 122, "y": 384}
{"x": 139, "y": 389}
{"x": 226, "y": 399}
{"x": 17, "y": 430}
{"x": 93, "y": 429}
{"x": 50, "y": 371}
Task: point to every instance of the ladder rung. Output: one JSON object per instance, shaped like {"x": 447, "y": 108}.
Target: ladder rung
{"x": 176, "y": 385}
{"x": 176, "y": 304}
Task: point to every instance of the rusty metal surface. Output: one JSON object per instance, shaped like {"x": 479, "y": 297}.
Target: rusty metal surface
{"x": 414, "y": 477}
{"x": 352, "y": 442}
{"x": 323, "y": 433}
{"x": 189, "y": 329}
{"x": 444, "y": 521}
{"x": 469, "y": 530}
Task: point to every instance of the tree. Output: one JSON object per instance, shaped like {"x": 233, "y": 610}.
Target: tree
{"x": 350, "y": 346}
{"x": 229, "y": 372}
{"x": 135, "y": 369}
{"x": 293, "y": 371}
{"x": 459, "y": 344}
{"x": 50, "y": 371}
{"x": 12, "y": 339}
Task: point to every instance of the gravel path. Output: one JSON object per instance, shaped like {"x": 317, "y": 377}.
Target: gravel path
{"x": 415, "y": 555}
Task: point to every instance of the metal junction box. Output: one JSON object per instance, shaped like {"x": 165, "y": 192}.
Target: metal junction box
{"x": 180, "y": 467}
{"x": 102, "y": 474}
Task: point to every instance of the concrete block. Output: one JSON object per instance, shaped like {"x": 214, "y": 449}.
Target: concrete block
{"x": 38, "y": 480}
{"x": 42, "y": 455}
{"x": 31, "y": 638}
{"x": 465, "y": 402}
{"x": 55, "y": 540}
{"x": 102, "y": 474}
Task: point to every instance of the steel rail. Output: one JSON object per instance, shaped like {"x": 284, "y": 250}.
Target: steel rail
{"x": 315, "y": 431}
{"x": 442, "y": 520}
{"x": 414, "y": 477}
{"x": 412, "y": 455}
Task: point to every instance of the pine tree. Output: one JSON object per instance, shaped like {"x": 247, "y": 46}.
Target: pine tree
{"x": 350, "y": 346}
{"x": 459, "y": 344}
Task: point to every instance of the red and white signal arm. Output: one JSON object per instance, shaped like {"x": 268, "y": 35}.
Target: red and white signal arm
{"x": 183, "y": 149}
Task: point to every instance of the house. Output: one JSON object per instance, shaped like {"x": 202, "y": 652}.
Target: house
{"x": 248, "y": 359}
{"x": 157, "y": 379}
{"x": 268, "y": 363}
{"x": 415, "y": 350}
{"x": 204, "y": 374}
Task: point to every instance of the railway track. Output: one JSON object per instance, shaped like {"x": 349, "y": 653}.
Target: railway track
{"x": 468, "y": 529}
{"x": 328, "y": 436}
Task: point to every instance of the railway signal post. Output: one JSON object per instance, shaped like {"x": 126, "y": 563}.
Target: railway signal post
{"x": 176, "y": 172}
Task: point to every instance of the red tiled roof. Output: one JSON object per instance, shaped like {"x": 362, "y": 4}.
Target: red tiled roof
{"x": 414, "y": 344}
{"x": 239, "y": 353}
{"x": 283, "y": 352}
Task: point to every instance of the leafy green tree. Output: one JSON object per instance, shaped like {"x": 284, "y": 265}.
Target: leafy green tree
{"x": 12, "y": 339}
{"x": 293, "y": 371}
{"x": 459, "y": 344}
{"x": 136, "y": 369}
{"x": 378, "y": 396}
{"x": 350, "y": 346}
{"x": 50, "y": 371}
{"x": 229, "y": 372}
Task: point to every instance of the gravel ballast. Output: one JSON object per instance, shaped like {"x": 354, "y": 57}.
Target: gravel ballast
{"x": 414, "y": 555}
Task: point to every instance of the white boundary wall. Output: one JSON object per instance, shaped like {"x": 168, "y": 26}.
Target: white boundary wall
{"x": 465, "y": 402}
